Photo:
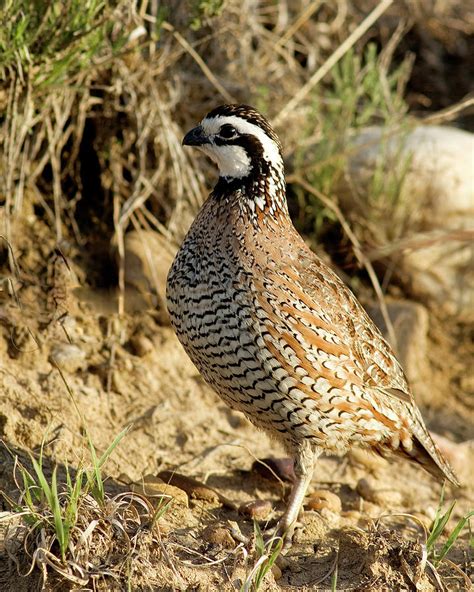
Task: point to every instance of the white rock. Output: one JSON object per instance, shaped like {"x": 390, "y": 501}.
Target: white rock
{"x": 68, "y": 357}
{"x": 441, "y": 168}
{"x": 438, "y": 190}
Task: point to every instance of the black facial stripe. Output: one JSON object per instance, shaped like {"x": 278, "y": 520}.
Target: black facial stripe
{"x": 218, "y": 141}
{"x": 252, "y": 146}
{"x": 249, "y": 143}
{"x": 259, "y": 167}
{"x": 248, "y": 114}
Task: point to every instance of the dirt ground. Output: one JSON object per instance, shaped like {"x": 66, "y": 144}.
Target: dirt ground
{"x": 134, "y": 372}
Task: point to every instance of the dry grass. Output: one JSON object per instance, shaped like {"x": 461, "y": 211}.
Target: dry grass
{"x": 110, "y": 543}
{"x": 113, "y": 125}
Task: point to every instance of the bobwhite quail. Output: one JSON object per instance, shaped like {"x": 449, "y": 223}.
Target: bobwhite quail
{"x": 272, "y": 329}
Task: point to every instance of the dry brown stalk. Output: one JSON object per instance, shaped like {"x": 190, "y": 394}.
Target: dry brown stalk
{"x": 201, "y": 63}
{"x": 332, "y": 60}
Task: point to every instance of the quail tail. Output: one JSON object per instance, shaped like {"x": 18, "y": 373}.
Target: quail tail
{"x": 428, "y": 455}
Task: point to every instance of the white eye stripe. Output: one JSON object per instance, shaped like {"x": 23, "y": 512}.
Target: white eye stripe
{"x": 271, "y": 152}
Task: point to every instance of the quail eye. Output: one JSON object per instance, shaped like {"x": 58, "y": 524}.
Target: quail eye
{"x": 227, "y": 131}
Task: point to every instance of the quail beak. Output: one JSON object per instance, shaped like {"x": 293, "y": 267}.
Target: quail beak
{"x": 195, "y": 137}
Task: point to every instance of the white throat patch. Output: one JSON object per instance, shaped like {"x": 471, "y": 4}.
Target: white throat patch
{"x": 232, "y": 160}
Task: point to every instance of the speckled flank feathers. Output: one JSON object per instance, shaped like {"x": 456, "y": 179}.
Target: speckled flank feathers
{"x": 271, "y": 328}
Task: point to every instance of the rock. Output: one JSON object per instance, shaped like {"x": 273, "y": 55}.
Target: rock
{"x": 440, "y": 166}
{"x": 195, "y": 489}
{"x": 118, "y": 382}
{"x": 275, "y": 469}
{"x": 367, "y": 489}
{"x": 256, "y": 509}
{"x": 323, "y": 499}
{"x": 68, "y": 357}
{"x": 218, "y": 535}
{"x": 410, "y": 322}
{"x": 459, "y": 455}
{"x": 276, "y": 571}
{"x": 436, "y": 203}
{"x": 442, "y": 275}
{"x": 153, "y": 487}
{"x": 353, "y": 517}
{"x": 141, "y": 345}
{"x": 327, "y": 504}
{"x": 148, "y": 257}
{"x": 332, "y": 518}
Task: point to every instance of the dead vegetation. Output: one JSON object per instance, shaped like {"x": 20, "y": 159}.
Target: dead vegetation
{"x": 95, "y": 99}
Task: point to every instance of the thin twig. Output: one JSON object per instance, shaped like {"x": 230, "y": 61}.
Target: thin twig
{"x": 332, "y": 60}
{"x": 298, "y": 23}
{"x": 451, "y": 112}
{"x": 421, "y": 241}
{"x": 200, "y": 62}
{"x": 331, "y": 570}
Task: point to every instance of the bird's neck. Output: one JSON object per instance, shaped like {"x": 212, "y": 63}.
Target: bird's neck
{"x": 260, "y": 194}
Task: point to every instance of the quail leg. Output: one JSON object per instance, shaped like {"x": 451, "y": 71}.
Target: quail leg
{"x": 304, "y": 465}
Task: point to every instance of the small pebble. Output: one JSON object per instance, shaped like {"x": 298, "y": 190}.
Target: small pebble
{"x": 68, "y": 357}
{"x": 218, "y": 535}
{"x": 321, "y": 498}
{"x": 332, "y": 519}
{"x": 141, "y": 345}
{"x": 355, "y": 518}
{"x": 256, "y": 510}
{"x": 118, "y": 383}
{"x": 351, "y": 515}
{"x": 195, "y": 489}
{"x": 276, "y": 571}
{"x": 275, "y": 469}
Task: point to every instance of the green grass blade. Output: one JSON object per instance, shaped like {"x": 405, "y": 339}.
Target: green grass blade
{"x": 59, "y": 526}
{"x": 95, "y": 481}
{"x": 116, "y": 441}
{"x": 43, "y": 483}
{"x": 259, "y": 542}
{"x": 51, "y": 495}
{"x": 439, "y": 525}
{"x": 334, "y": 579}
{"x": 453, "y": 537}
{"x": 30, "y": 487}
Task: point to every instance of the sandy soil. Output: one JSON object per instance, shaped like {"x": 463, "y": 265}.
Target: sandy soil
{"x": 134, "y": 372}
